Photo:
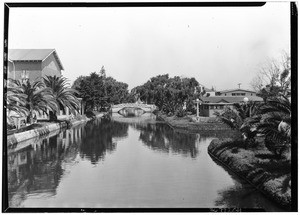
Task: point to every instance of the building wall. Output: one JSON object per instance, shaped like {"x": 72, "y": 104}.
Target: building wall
{"x": 209, "y": 110}
{"x": 10, "y": 69}
{"x": 33, "y": 69}
{"x": 241, "y": 92}
{"x": 50, "y": 67}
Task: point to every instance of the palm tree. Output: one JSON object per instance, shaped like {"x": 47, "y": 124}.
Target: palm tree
{"x": 64, "y": 95}
{"x": 39, "y": 98}
{"x": 242, "y": 118}
{"x": 275, "y": 124}
{"x": 15, "y": 100}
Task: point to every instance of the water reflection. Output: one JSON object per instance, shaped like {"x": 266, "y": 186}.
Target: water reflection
{"x": 46, "y": 172}
{"x": 163, "y": 138}
{"x": 38, "y": 168}
{"x": 99, "y": 139}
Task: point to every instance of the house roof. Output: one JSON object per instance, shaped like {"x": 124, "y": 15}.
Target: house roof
{"x": 229, "y": 99}
{"x": 33, "y": 55}
{"x": 237, "y": 89}
{"x": 207, "y": 89}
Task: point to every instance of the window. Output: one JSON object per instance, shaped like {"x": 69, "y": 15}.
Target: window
{"x": 233, "y": 94}
{"x": 24, "y": 74}
{"x": 243, "y": 94}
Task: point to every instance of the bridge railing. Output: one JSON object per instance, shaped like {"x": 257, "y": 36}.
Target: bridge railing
{"x": 132, "y": 105}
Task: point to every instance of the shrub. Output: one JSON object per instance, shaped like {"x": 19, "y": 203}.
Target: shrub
{"x": 276, "y": 147}
{"x": 180, "y": 112}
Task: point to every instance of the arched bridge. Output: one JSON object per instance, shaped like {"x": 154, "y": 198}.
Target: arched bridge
{"x": 144, "y": 107}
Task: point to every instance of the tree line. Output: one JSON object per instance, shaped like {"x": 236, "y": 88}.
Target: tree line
{"x": 170, "y": 95}
{"x": 99, "y": 92}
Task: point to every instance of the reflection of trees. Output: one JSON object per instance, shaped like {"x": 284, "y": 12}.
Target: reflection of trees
{"x": 98, "y": 138}
{"x": 162, "y": 137}
{"x": 38, "y": 167}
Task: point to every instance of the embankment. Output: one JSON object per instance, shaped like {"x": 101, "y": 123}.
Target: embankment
{"x": 44, "y": 130}
{"x": 258, "y": 167}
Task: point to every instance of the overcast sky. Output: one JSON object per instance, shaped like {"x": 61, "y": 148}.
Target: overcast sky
{"x": 218, "y": 46}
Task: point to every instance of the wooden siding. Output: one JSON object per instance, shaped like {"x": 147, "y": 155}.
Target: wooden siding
{"x": 50, "y": 66}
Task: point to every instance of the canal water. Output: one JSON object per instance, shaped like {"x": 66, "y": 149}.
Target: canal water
{"x": 125, "y": 162}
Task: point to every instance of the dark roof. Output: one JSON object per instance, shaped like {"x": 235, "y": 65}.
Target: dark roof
{"x": 237, "y": 89}
{"x": 32, "y": 55}
{"x": 229, "y": 99}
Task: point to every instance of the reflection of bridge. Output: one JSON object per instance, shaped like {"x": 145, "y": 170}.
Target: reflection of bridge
{"x": 144, "y": 107}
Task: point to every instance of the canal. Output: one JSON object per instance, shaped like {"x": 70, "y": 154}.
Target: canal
{"x": 125, "y": 162}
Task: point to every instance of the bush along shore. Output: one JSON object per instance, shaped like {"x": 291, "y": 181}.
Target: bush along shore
{"x": 257, "y": 165}
{"x": 45, "y": 128}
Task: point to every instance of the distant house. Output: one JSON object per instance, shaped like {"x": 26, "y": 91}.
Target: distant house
{"x": 209, "y": 92}
{"x": 33, "y": 64}
{"x": 236, "y": 92}
{"x": 203, "y": 89}
{"x": 210, "y": 105}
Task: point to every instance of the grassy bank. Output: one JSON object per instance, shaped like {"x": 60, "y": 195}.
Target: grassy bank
{"x": 258, "y": 166}
{"x": 189, "y": 123}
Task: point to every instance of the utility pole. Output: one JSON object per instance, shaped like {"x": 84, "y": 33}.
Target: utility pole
{"x": 239, "y": 85}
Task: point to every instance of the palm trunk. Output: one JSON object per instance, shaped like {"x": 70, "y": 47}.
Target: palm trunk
{"x": 52, "y": 116}
{"x": 30, "y": 118}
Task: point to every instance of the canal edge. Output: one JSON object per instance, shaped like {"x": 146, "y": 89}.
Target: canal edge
{"x": 14, "y": 139}
{"x": 262, "y": 188}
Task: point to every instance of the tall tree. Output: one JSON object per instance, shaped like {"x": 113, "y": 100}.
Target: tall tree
{"x": 64, "y": 96}
{"x": 103, "y": 72}
{"x": 99, "y": 92}
{"x": 15, "y": 102}
{"x": 39, "y": 97}
{"x": 169, "y": 94}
